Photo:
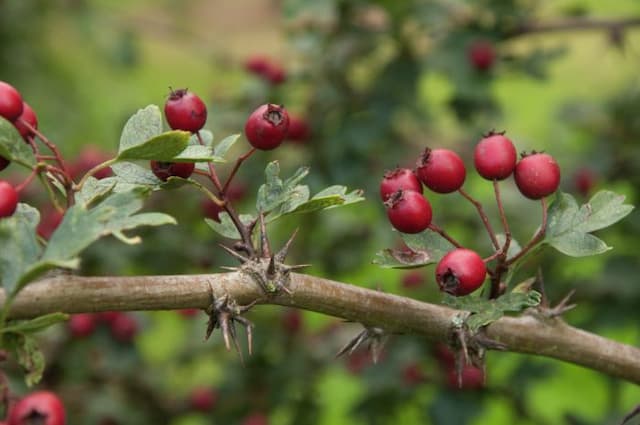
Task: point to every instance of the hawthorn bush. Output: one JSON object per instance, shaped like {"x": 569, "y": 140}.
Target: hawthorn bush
{"x": 481, "y": 237}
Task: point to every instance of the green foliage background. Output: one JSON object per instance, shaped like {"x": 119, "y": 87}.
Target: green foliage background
{"x": 376, "y": 91}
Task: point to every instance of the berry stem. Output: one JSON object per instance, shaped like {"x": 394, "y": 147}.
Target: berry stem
{"x": 236, "y": 166}
{"x": 507, "y": 232}
{"x": 535, "y": 239}
{"x": 54, "y": 200}
{"x": 212, "y": 171}
{"x": 28, "y": 180}
{"x": 483, "y": 217}
{"x": 56, "y": 153}
{"x": 444, "y": 234}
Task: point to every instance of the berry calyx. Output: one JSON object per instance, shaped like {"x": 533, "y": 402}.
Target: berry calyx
{"x": 460, "y": 272}
{"x": 495, "y": 157}
{"x": 537, "y": 175}
{"x": 399, "y": 179}
{"x": 267, "y": 126}
{"x": 4, "y": 163}
{"x": 8, "y": 199}
{"x": 28, "y": 116}
{"x": 40, "y": 407}
{"x": 184, "y": 110}
{"x": 409, "y": 211}
{"x": 441, "y": 170}
{"x": 164, "y": 170}
{"x": 10, "y": 102}
{"x": 482, "y": 55}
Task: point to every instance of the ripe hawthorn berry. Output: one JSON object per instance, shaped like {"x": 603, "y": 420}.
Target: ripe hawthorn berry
{"x": 164, "y": 170}
{"x": 124, "y": 328}
{"x": 50, "y": 219}
{"x": 399, "y": 179}
{"x": 481, "y": 54}
{"x": 537, "y": 175}
{"x": 89, "y": 157}
{"x": 184, "y": 110}
{"x": 4, "y": 163}
{"x": 28, "y": 116}
{"x": 10, "y": 102}
{"x": 257, "y": 64}
{"x": 267, "y": 126}
{"x": 460, "y": 272}
{"x": 299, "y": 130}
{"x": 409, "y": 211}
{"x": 40, "y": 407}
{"x": 441, "y": 170}
{"x": 495, "y": 157}
{"x": 584, "y": 180}
{"x": 82, "y": 325}
{"x": 8, "y": 199}
{"x": 203, "y": 399}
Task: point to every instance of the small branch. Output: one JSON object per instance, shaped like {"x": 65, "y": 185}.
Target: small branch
{"x": 236, "y": 166}
{"x": 535, "y": 239}
{"x": 212, "y": 170}
{"x": 483, "y": 217}
{"x": 445, "y": 235}
{"x": 578, "y": 24}
{"x": 525, "y": 334}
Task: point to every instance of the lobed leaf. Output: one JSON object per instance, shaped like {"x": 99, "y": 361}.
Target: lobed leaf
{"x": 13, "y": 147}
{"x": 225, "y": 227}
{"x": 142, "y": 126}
{"x": 163, "y": 147}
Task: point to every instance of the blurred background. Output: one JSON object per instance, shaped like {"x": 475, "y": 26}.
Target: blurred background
{"x": 369, "y": 84}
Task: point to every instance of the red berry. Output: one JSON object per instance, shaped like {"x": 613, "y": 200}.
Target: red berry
{"x": 275, "y": 74}
{"x": 256, "y": 419}
{"x": 471, "y": 378}
{"x": 299, "y": 129}
{"x": 257, "y": 65}
{"x": 184, "y": 110}
{"x": 188, "y": 312}
{"x": 444, "y": 355}
{"x": 460, "y": 272}
{"x": 409, "y": 211}
{"x": 124, "y": 328}
{"x": 89, "y": 157}
{"x": 482, "y": 55}
{"x": 29, "y": 117}
{"x": 267, "y": 126}
{"x": 412, "y": 374}
{"x": 49, "y": 222}
{"x": 108, "y": 317}
{"x": 495, "y": 157}
{"x": 399, "y": 179}
{"x": 412, "y": 279}
{"x": 40, "y": 407}
{"x": 584, "y": 180}
{"x": 10, "y": 102}
{"x": 537, "y": 175}
{"x": 4, "y": 163}
{"x": 441, "y": 170}
{"x": 8, "y": 199}
{"x": 203, "y": 399}
{"x": 82, "y": 325}
{"x": 164, "y": 170}
{"x": 292, "y": 321}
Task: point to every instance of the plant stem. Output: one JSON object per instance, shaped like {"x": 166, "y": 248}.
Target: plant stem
{"x": 483, "y": 217}
{"x": 236, "y": 166}
{"x": 535, "y": 239}
{"x": 445, "y": 235}
{"x": 92, "y": 171}
{"x": 212, "y": 170}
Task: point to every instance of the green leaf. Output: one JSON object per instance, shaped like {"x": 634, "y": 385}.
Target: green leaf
{"x": 331, "y": 197}
{"x": 82, "y": 226}
{"x": 34, "y": 325}
{"x": 514, "y": 246}
{"x": 142, "y": 126}
{"x": 225, "y": 227}
{"x": 401, "y": 259}
{"x": 133, "y": 174}
{"x": 428, "y": 243}
{"x": 272, "y": 193}
{"x": 206, "y": 135}
{"x": 13, "y": 147}
{"x": 19, "y": 246}
{"x": 94, "y": 191}
{"x": 225, "y": 144}
{"x": 164, "y": 147}
{"x": 569, "y": 226}
{"x": 28, "y": 355}
{"x": 196, "y": 154}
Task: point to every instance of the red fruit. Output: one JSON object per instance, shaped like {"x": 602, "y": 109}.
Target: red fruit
{"x": 495, "y": 157}
{"x": 444, "y": 355}
{"x": 399, "y": 179}
{"x": 412, "y": 374}
{"x": 275, "y": 74}
{"x": 481, "y": 54}
{"x": 4, "y": 163}
{"x": 256, "y": 419}
{"x": 409, "y": 211}
{"x": 537, "y": 175}
{"x": 584, "y": 180}
{"x": 82, "y": 325}
{"x": 412, "y": 279}
{"x": 471, "y": 378}
{"x": 40, "y": 407}
{"x": 89, "y": 157}
{"x": 8, "y": 199}
{"x": 358, "y": 361}
{"x": 267, "y": 126}
{"x": 203, "y": 399}
{"x": 10, "y": 102}
{"x": 124, "y": 328}
{"x": 49, "y": 222}
{"x": 164, "y": 170}
{"x": 188, "y": 312}
{"x": 299, "y": 130}
{"x": 108, "y": 317}
{"x": 292, "y": 321}
{"x": 184, "y": 110}
{"x": 29, "y": 117}
{"x": 257, "y": 65}
{"x": 441, "y": 170}
{"x": 460, "y": 272}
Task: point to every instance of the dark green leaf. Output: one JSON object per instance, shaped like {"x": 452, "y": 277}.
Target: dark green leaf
{"x": 164, "y": 147}
{"x": 225, "y": 227}
{"x": 430, "y": 243}
{"x": 271, "y": 194}
{"x": 569, "y": 226}
{"x": 134, "y": 174}
{"x": 144, "y": 125}
{"x": 34, "y": 325}
{"x": 19, "y": 246}
{"x": 401, "y": 259}
{"x": 13, "y": 147}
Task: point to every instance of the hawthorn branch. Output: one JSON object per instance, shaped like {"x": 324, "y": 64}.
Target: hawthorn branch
{"x": 529, "y": 333}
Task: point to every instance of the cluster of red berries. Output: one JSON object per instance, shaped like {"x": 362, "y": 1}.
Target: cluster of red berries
{"x": 20, "y": 114}
{"x": 462, "y": 271}
{"x": 40, "y": 407}
{"x": 122, "y": 326}
{"x": 267, "y": 69}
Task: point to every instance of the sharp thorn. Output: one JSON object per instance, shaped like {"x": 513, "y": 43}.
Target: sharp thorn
{"x": 231, "y": 252}
{"x": 271, "y": 269}
{"x": 224, "y": 327}
{"x": 282, "y": 254}
{"x": 265, "y": 247}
